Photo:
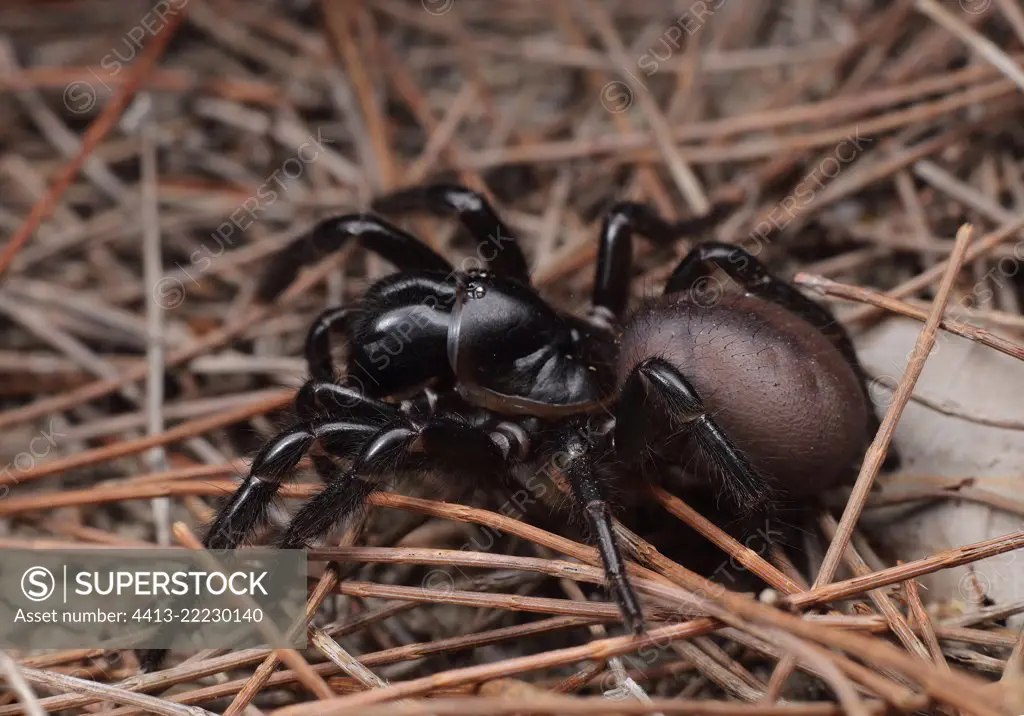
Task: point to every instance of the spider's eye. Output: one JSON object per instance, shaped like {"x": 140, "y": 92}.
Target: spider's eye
{"x": 576, "y": 446}
{"x": 476, "y": 290}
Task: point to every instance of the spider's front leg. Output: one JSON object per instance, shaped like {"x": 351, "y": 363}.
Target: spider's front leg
{"x": 389, "y": 242}
{"x": 496, "y": 244}
{"x": 247, "y": 508}
{"x": 577, "y": 460}
{"x": 614, "y": 271}
{"x": 337, "y": 415}
{"x": 441, "y": 444}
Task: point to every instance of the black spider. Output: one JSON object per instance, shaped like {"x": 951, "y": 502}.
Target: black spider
{"x": 470, "y": 373}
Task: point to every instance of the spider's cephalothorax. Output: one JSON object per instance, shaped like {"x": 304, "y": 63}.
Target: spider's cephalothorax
{"x": 471, "y": 373}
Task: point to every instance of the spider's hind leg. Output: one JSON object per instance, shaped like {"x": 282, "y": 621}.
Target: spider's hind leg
{"x": 744, "y": 268}
{"x": 657, "y": 384}
{"x": 614, "y": 269}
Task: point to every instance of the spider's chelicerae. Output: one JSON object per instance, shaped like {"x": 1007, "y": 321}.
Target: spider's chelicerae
{"x": 471, "y": 373}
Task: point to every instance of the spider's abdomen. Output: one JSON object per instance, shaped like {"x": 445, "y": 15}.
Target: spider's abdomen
{"x": 775, "y": 385}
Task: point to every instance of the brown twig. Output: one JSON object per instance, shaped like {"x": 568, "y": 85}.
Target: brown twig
{"x": 828, "y": 287}
{"x": 728, "y": 544}
{"x": 924, "y": 622}
{"x": 309, "y": 678}
{"x": 879, "y": 446}
{"x": 95, "y": 134}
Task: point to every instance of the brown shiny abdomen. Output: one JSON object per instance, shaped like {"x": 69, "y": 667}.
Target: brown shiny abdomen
{"x": 774, "y": 384}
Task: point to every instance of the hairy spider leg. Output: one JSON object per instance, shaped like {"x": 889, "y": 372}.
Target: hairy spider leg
{"x": 656, "y": 381}
{"x": 496, "y": 245}
{"x": 247, "y": 507}
{"x": 578, "y": 467}
{"x": 339, "y": 416}
{"x": 744, "y": 268}
{"x": 402, "y": 249}
{"x": 339, "y": 400}
{"x": 614, "y": 270}
{"x": 444, "y": 445}
{"x": 449, "y": 447}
